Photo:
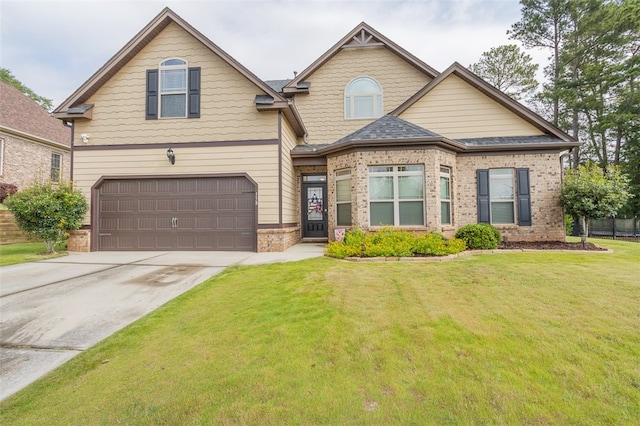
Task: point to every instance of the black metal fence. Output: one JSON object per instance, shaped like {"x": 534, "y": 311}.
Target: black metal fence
{"x": 615, "y": 228}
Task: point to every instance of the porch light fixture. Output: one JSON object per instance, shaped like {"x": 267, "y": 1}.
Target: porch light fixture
{"x": 171, "y": 156}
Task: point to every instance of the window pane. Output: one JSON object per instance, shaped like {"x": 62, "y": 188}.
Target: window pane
{"x": 343, "y": 190}
{"x": 380, "y": 169}
{"x": 445, "y": 213}
{"x": 381, "y": 188}
{"x": 347, "y": 107}
{"x": 174, "y": 106}
{"x": 344, "y": 214}
{"x": 173, "y": 62}
{"x": 381, "y": 214}
{"x": 501, "y": 184}
{"x": 502, "y": 213}
{"x": 410, "y": 187}
{"x": 411, "y": 213}
{"x": 173, "y": 80}
{"x": 363, "y": 106}
{"x": 445, "y": 190}
{"x": 363, "y": 85}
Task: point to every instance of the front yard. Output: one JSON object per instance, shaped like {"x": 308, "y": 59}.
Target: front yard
{"x": 506, "y": 338}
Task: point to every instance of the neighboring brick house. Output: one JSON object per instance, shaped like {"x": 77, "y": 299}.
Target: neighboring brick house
{"x": 186, "y": 149}
{"x": 34, "y": 146}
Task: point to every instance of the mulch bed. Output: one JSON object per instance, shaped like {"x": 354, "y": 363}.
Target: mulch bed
{"x": 549, "y": 245}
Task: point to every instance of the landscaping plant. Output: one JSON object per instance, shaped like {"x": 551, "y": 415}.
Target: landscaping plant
{"x": 48, "y": 211}
{"x": 479, "y": 236}
{"x": 389, "y": 242}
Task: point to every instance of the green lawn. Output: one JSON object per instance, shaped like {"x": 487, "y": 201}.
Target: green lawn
{"x": 11, "y": 254}
{"x": 508, "y": 338}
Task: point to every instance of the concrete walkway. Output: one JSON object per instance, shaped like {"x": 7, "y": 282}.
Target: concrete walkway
{"x": 54, "y": 309}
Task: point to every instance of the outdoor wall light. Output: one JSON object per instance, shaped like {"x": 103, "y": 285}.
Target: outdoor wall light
{"x": 171, "y": 156}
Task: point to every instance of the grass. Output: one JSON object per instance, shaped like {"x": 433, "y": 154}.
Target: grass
{"x": 514, "y": 338}
{"x": 11, "y": 254}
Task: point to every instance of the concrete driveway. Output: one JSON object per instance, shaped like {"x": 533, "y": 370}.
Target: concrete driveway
{"x": 54, "y": 309}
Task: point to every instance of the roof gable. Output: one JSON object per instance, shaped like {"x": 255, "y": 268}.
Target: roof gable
{"x": 491, "y": 92}
{"x": 137, "y": 43}
{"x": 20, "y": 113}
{"x": 361, "y": 36}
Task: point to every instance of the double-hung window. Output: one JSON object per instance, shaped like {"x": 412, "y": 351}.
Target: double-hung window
{"x": 173, "y": 90}
{"x": 445, "y": 195}
{"x": 363, "y": 99}
{"x": 504, "y": 196}
{"x": 343, "y": 197}
{"x": 396, "y": 195}
{"x": 56, "y": 166}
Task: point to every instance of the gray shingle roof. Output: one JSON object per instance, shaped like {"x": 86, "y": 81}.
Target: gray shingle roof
{"x": 388, "y": 127}
{"x": 511, "y": 140}
{"x": 277, "y": 85}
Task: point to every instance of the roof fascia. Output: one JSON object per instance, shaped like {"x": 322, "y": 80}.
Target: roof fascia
{"x": 495, "y": 94}
{"x": 138, "y": 42}
{"x": 404, "y": 54}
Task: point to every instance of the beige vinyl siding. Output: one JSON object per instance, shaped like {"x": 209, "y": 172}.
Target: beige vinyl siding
{"x": 458, "y": 110}
{"x": 322, "y": 110}
{"x": 289, "y": 179}
{"x": 227, "y": 100}
{"x": 258, "y": 161}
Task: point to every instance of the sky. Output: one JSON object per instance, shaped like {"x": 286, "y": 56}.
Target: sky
{"x": 54, "y": 46}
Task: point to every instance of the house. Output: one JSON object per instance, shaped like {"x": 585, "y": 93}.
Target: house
{"x": 34, "y": 146}
{"x": 180, "y": 147}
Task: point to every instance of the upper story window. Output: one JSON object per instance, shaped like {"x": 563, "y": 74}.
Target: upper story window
{"x": 363, "y": 99}
{"x": 173, "y": 90}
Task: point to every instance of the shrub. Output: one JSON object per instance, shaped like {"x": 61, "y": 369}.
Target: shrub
{"x": 479, "y": 236}
{"x": 48, "y": 212}
{"x": 390, "y": 242}
{"x": 7, "y": 189}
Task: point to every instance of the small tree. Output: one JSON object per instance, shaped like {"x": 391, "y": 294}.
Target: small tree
{"x": 590, "y": 193}
{"x": 48, "y": 211}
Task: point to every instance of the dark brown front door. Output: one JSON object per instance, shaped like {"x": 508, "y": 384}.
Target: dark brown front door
{"x": 314, "y": 209}
{"x": 202, "y": 213}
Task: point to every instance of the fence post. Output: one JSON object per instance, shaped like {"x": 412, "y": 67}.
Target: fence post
{"x": 614, "y": 227}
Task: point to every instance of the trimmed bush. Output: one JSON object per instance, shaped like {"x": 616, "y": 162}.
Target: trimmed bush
{"x": 479, "y": 236}
{"x": 390, "y": 242}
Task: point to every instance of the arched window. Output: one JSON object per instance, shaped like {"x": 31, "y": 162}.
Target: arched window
{"x": 173, "y": 88}
{"x": 363, "y": 99}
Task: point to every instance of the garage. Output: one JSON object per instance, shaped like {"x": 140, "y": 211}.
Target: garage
{"x": 176, "y": 213}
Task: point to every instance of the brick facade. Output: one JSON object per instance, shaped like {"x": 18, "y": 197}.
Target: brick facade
{"x": 79, "y": 241}
{"x": 25, "y": 161}
{"x": 545, "y": 181}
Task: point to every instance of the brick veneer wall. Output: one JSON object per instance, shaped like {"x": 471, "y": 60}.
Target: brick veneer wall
{"x": 25, "y": 161}
{"x": 275, "y": 240}
{"x": 544, "y": 175}
{"x": 79, "y": 241}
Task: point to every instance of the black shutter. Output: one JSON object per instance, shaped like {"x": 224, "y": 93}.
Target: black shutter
{"x": 152, "y": 95}
{"x": 524, "y": 198}
{"x": 483, "y": 196}
{"x": 194, "y": 93}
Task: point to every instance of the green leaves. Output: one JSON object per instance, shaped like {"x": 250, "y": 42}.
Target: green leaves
{"x": 589, "y": 192}
{"x": 48, "y": 211}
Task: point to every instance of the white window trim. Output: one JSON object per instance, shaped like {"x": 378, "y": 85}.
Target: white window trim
{"x": 51, "y": 169}
{"x": 511, "y": 201}
{"x": 445, "y": 172}
{"x": 351, "y": 97}
{"x": 184, "y": 92}
{"x": 395, "y": 173}
{"x": 341, "y": 175}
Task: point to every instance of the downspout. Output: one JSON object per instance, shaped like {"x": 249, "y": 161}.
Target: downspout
{"x": 69, "y": 124}
{"x": 280, "y": 225}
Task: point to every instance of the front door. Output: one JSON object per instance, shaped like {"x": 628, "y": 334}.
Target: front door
{"x": 314, "y": 208}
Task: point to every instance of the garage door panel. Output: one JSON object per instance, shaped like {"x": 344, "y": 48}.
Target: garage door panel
{"x": 216, "y": 213}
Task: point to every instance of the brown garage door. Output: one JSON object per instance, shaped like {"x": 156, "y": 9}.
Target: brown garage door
{"x": 202, "y": 213}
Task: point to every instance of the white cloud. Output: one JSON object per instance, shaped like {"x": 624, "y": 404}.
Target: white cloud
{"x": 54, "y": 46}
